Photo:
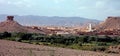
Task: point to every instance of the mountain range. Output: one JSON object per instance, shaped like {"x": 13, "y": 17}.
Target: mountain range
{"x": 51, "y": 21}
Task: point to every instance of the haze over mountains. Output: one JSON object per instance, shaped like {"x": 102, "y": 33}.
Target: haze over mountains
{"x": 54, "y": 21}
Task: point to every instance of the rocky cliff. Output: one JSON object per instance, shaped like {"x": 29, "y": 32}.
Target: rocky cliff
{"x": 109, "y": 24}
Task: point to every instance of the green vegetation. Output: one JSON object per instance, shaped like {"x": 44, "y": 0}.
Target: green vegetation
{"x": 92, "y": 43}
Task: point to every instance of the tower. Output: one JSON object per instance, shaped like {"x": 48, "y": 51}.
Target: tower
{"x": 90, "y": 28}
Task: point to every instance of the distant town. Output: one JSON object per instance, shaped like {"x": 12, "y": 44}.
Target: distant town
{"x": 101, "y": 29}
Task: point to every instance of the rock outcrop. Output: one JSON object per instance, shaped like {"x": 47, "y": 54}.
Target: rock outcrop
{"x": 12, "y": 26}
{"x": 109, "y": 24}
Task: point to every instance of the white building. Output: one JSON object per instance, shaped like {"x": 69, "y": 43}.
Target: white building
{"x": 90, "y": 28}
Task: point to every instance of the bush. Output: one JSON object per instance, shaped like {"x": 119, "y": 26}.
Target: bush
{"x": 98, "y": 49}
{"x": 26, "y": 36}
{"x": 102, "y": 44}
{"x": 5, "y": 35}
{"x": 112, "y": 52}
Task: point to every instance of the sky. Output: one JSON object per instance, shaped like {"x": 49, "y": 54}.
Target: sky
{"x": 92, "y": 9}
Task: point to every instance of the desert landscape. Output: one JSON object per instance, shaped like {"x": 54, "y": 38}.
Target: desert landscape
{"x": 40, "y": 43}
{"x": 59, "y": 27}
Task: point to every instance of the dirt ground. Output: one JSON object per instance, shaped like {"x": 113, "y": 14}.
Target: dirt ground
{"x": 11, "y": 48}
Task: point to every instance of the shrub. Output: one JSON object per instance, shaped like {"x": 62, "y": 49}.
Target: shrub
{"x": 102, "y": 44}
{"x": 98, "y": 49}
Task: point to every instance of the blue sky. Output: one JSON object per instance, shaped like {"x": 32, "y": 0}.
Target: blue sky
{"x": 93, "y": 9}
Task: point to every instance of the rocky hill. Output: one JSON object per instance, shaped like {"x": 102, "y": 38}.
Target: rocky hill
{"x": 10, "y": 25}
{"x": 109, "y": 24}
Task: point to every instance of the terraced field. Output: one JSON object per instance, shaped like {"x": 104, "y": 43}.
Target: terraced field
{"x": 11, "y": 48}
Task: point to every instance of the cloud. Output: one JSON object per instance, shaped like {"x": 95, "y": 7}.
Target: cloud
{"x": 100, "y": 4}
{"x": 82, "y": 7}
{"x": 21, "y": 4}
{"x": 17, "y": 3}
{"x": 58, "y": 1}
{"x": 63, "y": 7}
{"x": 113, "y": 11}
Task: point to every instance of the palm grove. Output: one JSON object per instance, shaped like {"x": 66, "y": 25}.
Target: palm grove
{"x": 84, "y": 42}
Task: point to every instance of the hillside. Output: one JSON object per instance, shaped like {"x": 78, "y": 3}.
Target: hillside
{"x": 10, "y": 25}
{"x": 109, "y": 24}
{"x": 55, "y": 20}
{"x": 11, "y": 48}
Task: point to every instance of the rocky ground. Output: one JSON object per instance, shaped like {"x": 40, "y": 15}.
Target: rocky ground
{"x": 11, "y": 48}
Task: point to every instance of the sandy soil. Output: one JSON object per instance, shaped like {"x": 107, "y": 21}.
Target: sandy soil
{"x": 11, "y": 48}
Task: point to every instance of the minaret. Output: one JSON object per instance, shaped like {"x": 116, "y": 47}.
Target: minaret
{"x": 90, "y": 28}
